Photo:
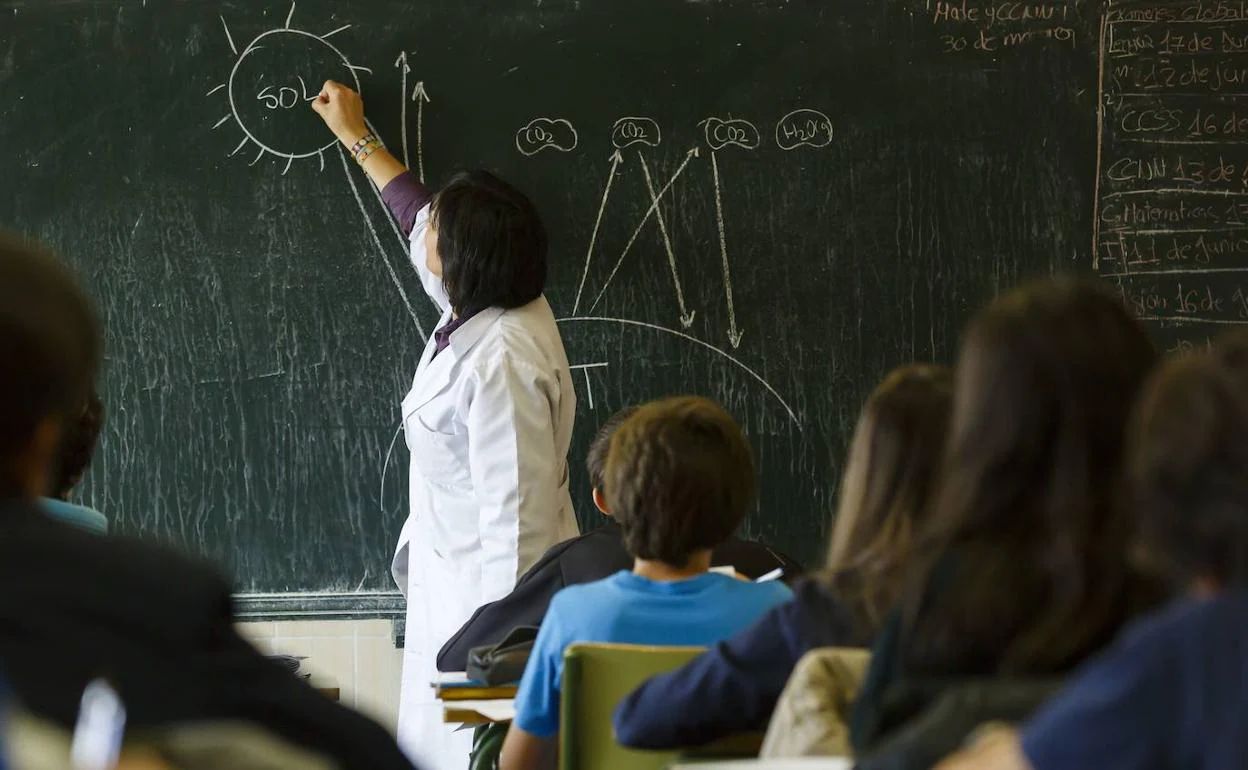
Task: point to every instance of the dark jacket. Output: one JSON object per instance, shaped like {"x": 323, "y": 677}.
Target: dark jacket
{"x": 954, "y": 715}
{"x": 159, "y": 627}
{"x": 596, "y": 555}
{"x": 904, "y": 679}
{"x": 734, "y": 686}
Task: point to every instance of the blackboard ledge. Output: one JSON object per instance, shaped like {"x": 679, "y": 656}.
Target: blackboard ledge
{"x": 360, "y": 605}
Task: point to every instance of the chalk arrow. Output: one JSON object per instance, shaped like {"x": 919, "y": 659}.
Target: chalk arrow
{"x": 686, "y": 317}
{"x": 401, "y": 64}
{"x": 421, "y": 97}
{"x": 381, "y": 251}
{"x": 734, "y": 334}
{"x": 616, "y": 160}
{"x": 654, "y": 205}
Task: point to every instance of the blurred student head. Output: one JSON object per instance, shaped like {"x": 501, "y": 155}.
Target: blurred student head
{"x": 888, "y": 477}
{"x": 1024, "y": 556}
{"x": 1188, "y": 467}
{"x": 78, "y": 447}
{"x": 49, "y": 355}
{"x": 1231, "y": 354}
{"x": 679, "y": 479}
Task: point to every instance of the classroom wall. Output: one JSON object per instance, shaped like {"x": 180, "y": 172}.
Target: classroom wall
{"x": 356, "y": 656}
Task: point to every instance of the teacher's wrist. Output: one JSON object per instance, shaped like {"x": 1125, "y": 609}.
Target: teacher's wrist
{"x": 352, "y": 134}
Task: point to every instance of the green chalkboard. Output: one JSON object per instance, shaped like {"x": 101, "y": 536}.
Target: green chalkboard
{"x": 768, "y": 202}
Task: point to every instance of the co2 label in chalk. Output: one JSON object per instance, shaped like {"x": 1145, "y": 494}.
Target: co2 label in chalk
{"x": 546, "y": 134}
{"x": 803, "y": 128}
{"x": 629, "y": 131}
{"x": 724, "y": 133}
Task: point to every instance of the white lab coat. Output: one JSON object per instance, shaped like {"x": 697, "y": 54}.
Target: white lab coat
{"x": 488, "y": 423}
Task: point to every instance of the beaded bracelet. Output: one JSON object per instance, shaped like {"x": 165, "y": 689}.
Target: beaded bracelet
{"x": 364, "y": 141}
{"x": 367, "y": 150}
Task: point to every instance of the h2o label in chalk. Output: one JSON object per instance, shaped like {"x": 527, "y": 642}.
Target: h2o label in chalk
{"x": 803, "y": 128}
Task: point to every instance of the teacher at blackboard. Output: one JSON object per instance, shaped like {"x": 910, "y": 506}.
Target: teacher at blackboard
{"x": 489, "y": 416}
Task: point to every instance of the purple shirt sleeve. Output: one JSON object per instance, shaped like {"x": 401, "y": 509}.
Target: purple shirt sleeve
{"x": 405, "y": 196}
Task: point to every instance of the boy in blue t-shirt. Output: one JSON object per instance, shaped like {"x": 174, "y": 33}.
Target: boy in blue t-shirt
{"x": 1172, "y": 693}
{"x": 679, "y": 480}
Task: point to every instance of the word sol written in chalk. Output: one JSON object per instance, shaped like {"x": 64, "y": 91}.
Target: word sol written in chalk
{"x": 285, "y": 97}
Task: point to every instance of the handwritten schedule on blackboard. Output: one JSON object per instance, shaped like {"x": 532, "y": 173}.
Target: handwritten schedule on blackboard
{"x": 1172, "y": 180}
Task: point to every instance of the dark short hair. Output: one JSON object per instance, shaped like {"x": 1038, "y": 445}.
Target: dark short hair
{"x": 49, "y": 348}
{"x": 596, "y": 458}
{"x": 1188, "y": 467}
{"x": 491, "y": 242}
{"x": 1027, "y": 535}
{"x": 78, "y": 446}
{"x": 679, "y": 479}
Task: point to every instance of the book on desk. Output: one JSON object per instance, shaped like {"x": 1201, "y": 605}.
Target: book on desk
{"x": 455, "y": 686}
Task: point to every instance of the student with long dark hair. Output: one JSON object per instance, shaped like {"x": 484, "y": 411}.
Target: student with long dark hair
{"x": 488, "y": 419}
{"x": 1021, "y": 569}
{"x": 734, "y": 686}
{"x": 1173, "y": 691}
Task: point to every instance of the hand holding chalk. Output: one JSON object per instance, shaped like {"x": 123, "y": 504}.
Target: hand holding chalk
{"x": 342, "y": 109}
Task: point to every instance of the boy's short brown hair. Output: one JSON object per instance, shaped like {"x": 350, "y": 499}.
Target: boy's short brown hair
{"x": 596, "y": 457}
{"x": 679, "y": 479}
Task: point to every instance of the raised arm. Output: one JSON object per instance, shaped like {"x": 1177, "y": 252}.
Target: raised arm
{"x": 408, "y": 200}
{"x": 343, "y": 112}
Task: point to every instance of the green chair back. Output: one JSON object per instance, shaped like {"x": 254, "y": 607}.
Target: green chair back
{"x": 596, "y": 677}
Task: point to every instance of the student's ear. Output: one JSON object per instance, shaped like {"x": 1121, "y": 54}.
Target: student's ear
{"x": 600, "y": 501}
{"x": 40, "y": 457}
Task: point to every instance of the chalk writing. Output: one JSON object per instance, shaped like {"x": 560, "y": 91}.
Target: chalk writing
{"x": 630, "y": 131}
{"x": 803, "y": 128}
{"x": 1171, "y": 225}
{"x": 986, "y": 27}
{"x": 616, "y": 160}
{"x": 589, "y": 385}
{"x": 270, "y": 84}
{"x": 285, "y": 97}
{"x": 546, "y": 134}
{"x": 722, "y": 133}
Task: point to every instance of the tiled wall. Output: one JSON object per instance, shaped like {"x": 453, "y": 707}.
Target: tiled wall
{"x": 356, "y": 656}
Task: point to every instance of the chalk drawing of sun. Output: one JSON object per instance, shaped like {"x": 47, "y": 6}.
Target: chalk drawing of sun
{"x": 270, "y": 85}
